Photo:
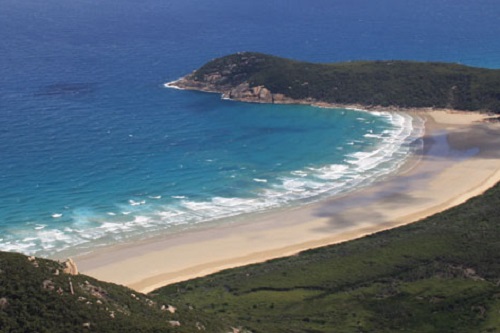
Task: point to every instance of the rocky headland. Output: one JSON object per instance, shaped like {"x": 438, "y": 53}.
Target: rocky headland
{"x": 393, "y": 85}
{"x": 231, "y": 80}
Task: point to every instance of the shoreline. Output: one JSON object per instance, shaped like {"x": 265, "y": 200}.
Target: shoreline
{"x": 455, "y": 144}
{"x": 184, "y": 83}
{"x": 180, "y": 84}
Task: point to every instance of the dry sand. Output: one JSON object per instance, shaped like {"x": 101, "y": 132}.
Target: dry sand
{"x": 461, "y": 159}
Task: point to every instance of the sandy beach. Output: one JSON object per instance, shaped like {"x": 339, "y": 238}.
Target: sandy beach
{"x": 461, "y": 159}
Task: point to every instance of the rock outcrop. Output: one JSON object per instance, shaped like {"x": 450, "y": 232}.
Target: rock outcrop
{"x": 174, "y": 323}
{"x": 48, "y": 284}
{"x": 230, "y": 79}
{"x": 70, "y": 267}
{"x": 243, "y": 92}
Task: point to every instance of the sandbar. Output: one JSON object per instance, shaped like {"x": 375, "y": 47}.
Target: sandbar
{"x": 460, "y": 159}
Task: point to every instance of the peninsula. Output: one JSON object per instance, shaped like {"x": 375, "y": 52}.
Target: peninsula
{"x": 256, "y": 77}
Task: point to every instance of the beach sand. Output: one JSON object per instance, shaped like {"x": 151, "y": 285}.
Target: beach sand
{"x": 461, "y": 159}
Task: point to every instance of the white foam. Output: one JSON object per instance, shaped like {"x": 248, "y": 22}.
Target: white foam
{"x": 299, "y": 173}
{"x": 360, "y": 168}
{"x": 258, "y": 180}
{"x": 234, "y": 202}
{"x": 113, "y": 227}
{"x": 369, "y": 135}
{"x": 331, "y": 172}
{"x": 302, "y": 185}
{"x": 19, "y": 246}
{"x": 57, "y": 215}
{"x": 136, "y": 203}
{"x": 170, "y": 214}
{"x": 172, "y": 85}
{"x": 196, "y": 206}
{"x": 142, "y": 220}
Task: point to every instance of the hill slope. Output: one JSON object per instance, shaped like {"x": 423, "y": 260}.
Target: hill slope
{"x": 258, "y": 77}
{"x": 438, "y": 275}
{"x": 35, "y": 296}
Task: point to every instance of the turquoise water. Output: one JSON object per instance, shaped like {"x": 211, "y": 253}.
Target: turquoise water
{"x": 94, "y": 149}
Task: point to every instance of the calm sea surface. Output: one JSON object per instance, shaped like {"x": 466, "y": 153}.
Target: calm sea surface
{"x": 94, "y": 149}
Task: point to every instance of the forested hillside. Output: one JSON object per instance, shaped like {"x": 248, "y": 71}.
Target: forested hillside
{"x": 263, "y": 78}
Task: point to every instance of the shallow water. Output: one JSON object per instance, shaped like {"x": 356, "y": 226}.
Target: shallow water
{"x": 93, "y": 148}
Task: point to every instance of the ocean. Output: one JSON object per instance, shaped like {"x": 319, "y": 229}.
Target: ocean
{"x": 95, "y": 150}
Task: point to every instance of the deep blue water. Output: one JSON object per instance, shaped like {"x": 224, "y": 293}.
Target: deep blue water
{"x": 93, "y": 148}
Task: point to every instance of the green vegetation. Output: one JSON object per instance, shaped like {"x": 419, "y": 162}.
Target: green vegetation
{"x": 370, "y": 83}
{"x": 439, "y": 275}
{"x": 35, "y": 296}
